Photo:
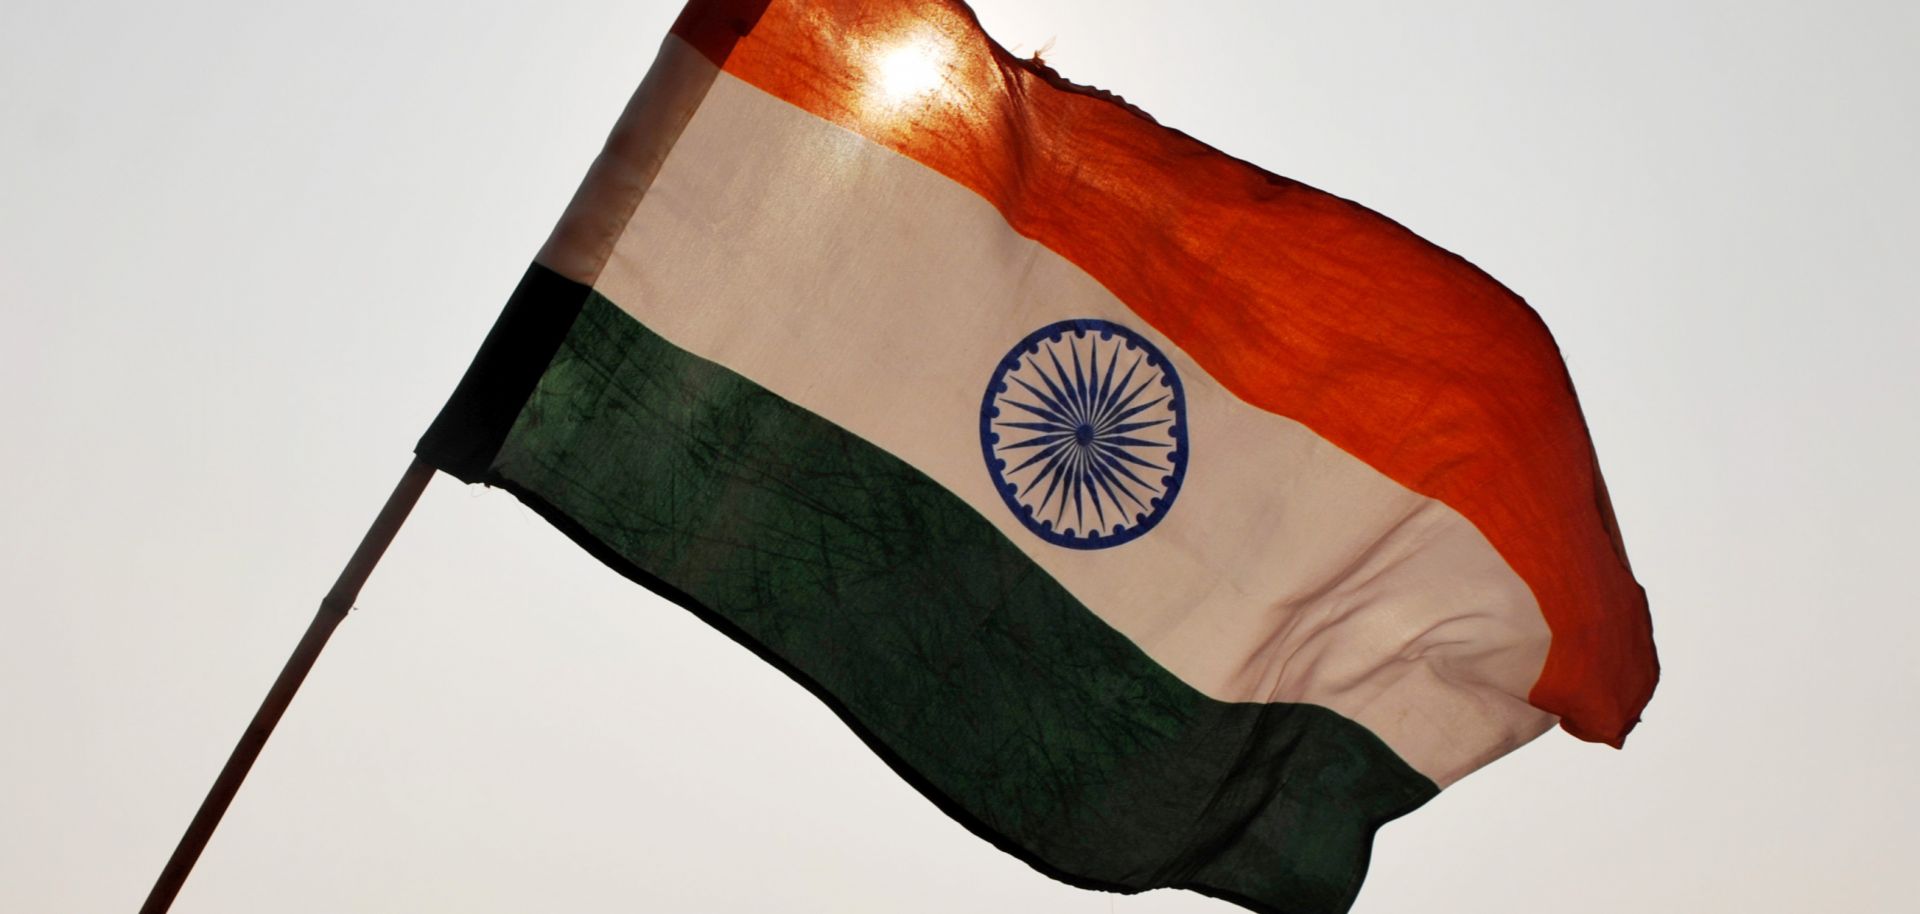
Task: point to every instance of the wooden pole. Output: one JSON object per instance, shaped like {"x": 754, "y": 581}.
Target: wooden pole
{"x": 333, "y": 608}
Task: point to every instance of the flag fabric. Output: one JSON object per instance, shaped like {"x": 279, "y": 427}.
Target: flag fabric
{"x": 1165, "y": 521}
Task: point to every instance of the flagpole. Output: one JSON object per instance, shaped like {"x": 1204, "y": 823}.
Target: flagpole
{"x": 333, "y": 608}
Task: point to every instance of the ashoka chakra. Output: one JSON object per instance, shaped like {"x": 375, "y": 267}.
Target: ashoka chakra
{"x": 1084, "y": 429}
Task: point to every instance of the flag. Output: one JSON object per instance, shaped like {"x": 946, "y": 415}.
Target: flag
{"x": 1163, "y": 520}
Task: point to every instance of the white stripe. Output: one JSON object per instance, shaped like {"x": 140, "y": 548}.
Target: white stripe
{"x": 879, "y": 294}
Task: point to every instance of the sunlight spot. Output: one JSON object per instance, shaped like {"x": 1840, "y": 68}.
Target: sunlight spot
{"x": 910, "y": 69}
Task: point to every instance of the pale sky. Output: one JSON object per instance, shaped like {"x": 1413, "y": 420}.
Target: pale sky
{"x": 246, "y": 251}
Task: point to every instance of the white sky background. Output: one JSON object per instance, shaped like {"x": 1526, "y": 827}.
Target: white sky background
{"x": 245, "y": 253}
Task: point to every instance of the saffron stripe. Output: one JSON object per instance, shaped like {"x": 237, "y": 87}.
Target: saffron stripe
{"x": 1300, "y": 303}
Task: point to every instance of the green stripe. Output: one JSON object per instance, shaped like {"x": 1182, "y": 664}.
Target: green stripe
{"x": 980, "y": 678}
{"x": 465, "y": 436}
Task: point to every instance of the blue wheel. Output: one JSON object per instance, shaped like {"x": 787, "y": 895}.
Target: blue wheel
{"x": 1084, "y": 429}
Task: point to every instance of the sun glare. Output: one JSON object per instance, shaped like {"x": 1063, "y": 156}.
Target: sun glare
{"x": 910, "y": 69}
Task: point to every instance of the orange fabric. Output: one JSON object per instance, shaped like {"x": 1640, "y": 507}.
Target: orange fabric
{"x": 1299, "y": 302}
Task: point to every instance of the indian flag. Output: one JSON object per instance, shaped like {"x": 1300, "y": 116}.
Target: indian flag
{"x": 1165, "y": 521}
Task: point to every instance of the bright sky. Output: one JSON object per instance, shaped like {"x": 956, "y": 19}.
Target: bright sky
{"x": 246, "y": 249}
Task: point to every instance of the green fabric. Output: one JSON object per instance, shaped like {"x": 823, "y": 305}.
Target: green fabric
{"x": 967, "y": 666}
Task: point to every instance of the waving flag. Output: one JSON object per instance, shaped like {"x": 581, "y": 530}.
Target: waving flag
{"x": 1167, "y": 522}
